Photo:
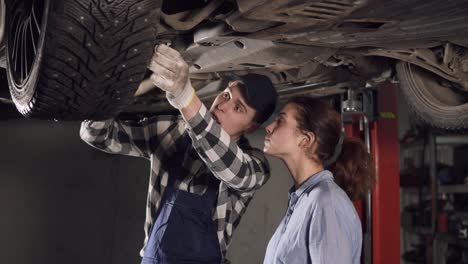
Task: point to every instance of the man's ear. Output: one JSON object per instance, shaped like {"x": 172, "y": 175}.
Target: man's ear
{"x": 253, "y": 127}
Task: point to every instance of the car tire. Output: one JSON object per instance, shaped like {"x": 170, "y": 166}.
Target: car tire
{"x": 433, "y": 99}
{"x": 77, "y": 59}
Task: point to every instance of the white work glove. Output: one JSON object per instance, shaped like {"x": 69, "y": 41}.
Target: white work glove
{"x": 171, "y": 74}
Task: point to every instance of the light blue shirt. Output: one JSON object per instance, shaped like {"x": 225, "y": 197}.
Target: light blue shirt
{"x": 320, "y": 226}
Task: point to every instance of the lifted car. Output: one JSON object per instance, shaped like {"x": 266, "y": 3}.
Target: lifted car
{"x": 84, "y": 59}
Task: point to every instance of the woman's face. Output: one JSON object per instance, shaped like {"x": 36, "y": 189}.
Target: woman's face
{"x": 283, "y": 136}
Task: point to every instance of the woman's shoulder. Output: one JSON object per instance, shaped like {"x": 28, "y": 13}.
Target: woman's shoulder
{"x": 324, "y": 191}
{"x": 327, "y": 195}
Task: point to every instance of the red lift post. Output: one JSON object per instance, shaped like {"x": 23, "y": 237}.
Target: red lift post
{"x": 383, "y": 231}
{"x": 386, "y": 196}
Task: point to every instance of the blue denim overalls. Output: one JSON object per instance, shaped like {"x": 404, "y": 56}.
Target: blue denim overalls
{"x": 184, "y": 231}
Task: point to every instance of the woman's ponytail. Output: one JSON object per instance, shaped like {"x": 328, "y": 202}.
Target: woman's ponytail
{"x": 354, "y": 169}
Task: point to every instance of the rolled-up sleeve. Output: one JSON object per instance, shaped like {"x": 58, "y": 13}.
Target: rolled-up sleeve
{"x": 242, "y": 170}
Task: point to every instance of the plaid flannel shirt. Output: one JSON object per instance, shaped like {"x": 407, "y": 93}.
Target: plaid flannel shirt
{"x": 240, "y": 168}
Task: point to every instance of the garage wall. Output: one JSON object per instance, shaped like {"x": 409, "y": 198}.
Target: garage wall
{"x": 63, "y": 202}
{"x": 264, "y": 213}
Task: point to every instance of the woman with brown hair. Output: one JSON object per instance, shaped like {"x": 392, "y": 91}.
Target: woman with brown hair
{"x": 321, "y": 224}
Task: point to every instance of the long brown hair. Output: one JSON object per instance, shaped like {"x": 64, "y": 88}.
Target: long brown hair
{"x": 353, "y": 168}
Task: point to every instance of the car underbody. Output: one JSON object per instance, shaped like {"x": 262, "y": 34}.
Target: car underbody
{"x": 90, "y": 56}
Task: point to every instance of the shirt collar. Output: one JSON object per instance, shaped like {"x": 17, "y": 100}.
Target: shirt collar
{"x": 311, "y": 182}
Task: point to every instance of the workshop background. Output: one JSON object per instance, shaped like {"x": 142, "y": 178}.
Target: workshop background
{"x": 62, "y": 201}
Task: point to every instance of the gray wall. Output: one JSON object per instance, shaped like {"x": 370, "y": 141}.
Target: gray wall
{"x": 264, "y": 212}
{"x": 63, "y": 202}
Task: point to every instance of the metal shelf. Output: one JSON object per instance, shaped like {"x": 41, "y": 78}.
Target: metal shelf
{"x": 453, "y": 188}
{"x": 439, "y": 140}
{"x": 445, "y": 188}
{"x": 452, "y": 139}
{"x": 452, "y": 239}
{"x": 462, "y": 214}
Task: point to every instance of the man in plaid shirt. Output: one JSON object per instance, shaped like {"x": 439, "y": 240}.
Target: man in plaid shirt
{"x": 197, "y": 192}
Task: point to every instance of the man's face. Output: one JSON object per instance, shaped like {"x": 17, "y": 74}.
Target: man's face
{"x": 232, "y": 113}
